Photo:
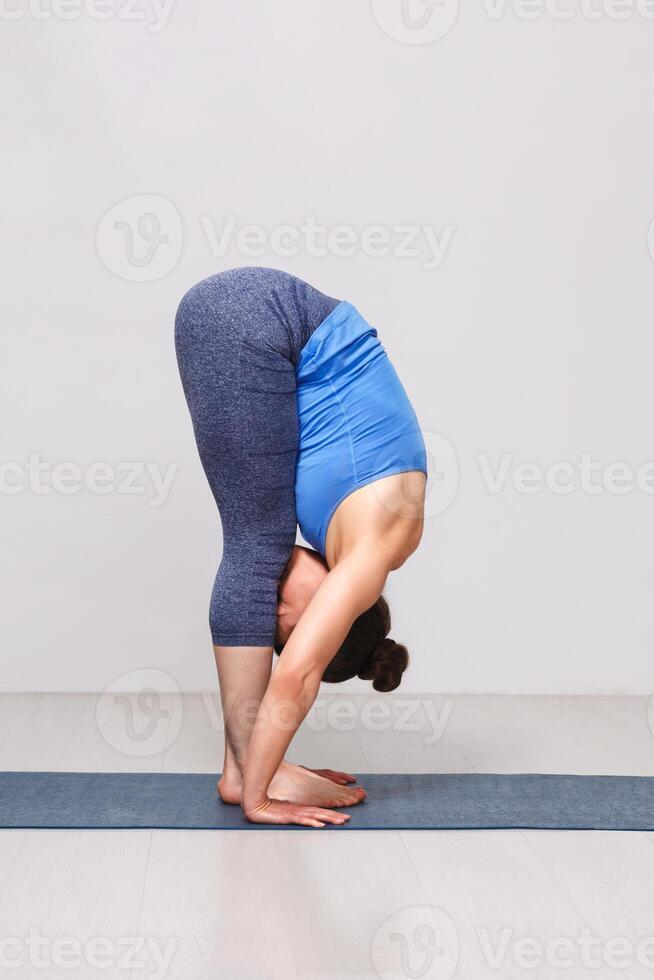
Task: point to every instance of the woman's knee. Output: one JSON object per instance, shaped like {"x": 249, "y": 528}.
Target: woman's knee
{"x": 243, "y": 607}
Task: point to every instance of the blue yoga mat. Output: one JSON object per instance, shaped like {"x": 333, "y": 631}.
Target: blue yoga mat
{"x": 404, "y": 801}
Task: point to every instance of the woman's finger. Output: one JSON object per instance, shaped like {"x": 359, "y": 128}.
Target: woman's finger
{"x": 309, "y": 822}
{"x": 330, "y": 815}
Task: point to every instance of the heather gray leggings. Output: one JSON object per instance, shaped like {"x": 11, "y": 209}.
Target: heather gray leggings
{"x": 238, "y": 336}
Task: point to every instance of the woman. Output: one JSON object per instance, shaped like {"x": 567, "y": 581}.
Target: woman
{"x": 299, "y": 417}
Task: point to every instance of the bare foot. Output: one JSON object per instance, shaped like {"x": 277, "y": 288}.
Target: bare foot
{"x": 342, "y": 778}
{"x": 299, "y": 785}
{"x": 230, "y": 786}
{"x": 295, "y": 784}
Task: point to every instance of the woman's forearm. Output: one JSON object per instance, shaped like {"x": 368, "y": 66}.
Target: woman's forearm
{"x": 349, "y": 589}
{"x": 284, "y": 707}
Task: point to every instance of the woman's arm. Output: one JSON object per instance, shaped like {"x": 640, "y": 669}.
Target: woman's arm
{"x": 350, "y": 588}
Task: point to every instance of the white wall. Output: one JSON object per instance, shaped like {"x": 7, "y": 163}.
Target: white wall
{"x": 525, "y": 146}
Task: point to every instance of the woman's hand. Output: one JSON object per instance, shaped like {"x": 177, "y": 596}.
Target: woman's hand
{"x": 280, "y": 811}
{"x": 348, "y": 590}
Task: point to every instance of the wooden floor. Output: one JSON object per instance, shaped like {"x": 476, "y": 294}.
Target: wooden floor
{"x": 315, "y": 905}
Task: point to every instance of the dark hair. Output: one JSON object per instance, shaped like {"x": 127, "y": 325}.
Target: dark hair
{"x": 368, "y": 652}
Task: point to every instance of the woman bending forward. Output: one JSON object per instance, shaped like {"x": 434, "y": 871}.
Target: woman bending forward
{"x": 299, "y": 418}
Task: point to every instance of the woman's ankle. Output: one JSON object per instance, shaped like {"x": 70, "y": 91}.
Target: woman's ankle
{"x": 230, "y": 784}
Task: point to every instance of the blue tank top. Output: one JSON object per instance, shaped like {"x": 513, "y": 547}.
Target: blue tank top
{"x": 357, "y": 424}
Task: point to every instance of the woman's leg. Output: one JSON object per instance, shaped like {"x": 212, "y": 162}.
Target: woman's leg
{"x": 243, "y": 674}
{"x": 241, "y": 397}
{"x": 240, "y": 390}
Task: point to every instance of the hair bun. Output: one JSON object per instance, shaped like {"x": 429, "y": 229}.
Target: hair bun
{"x": 386, "y": 665}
